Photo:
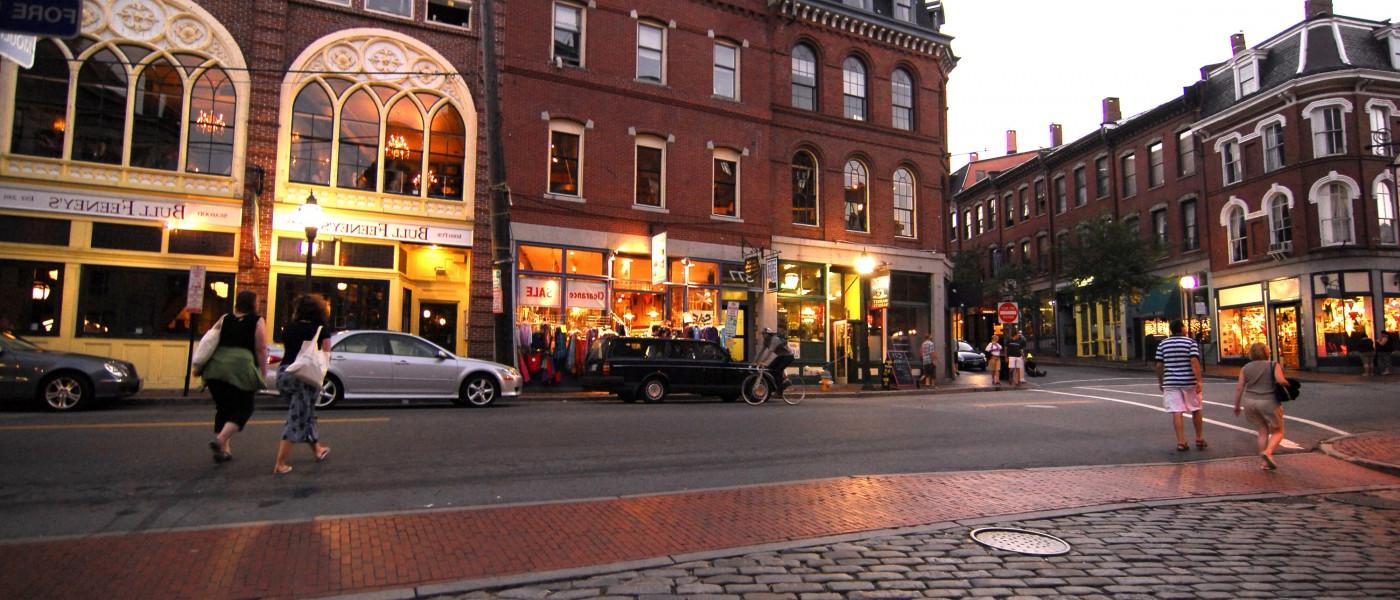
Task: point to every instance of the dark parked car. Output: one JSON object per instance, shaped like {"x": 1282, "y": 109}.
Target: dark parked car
{"x": 651, "y": 368}
{"x": 970, "y": 359}
{"x": 61, "y": 380}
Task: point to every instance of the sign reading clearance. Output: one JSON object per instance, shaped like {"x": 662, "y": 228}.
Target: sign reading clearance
{"x": 183, "y": 213}
{"x": 586, "y": 294}
{"x": 335, "y": 224}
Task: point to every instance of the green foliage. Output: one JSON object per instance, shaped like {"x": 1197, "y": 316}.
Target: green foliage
{"x": 1014, "y": 282}
{"x": 1107, "y": 262}
{"x": 967, "y": 276}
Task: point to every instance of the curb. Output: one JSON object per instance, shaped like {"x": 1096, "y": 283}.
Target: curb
{"x": 1327, "y": 448}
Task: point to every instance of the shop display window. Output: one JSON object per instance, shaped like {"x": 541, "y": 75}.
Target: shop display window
{"x": 802, "y": 320}
{"x": 632, "y": 272}
{"x": 355, "y": 303}
{"x": 125, "y": 302}
{"x": 696, "y": 273}
{"x": 1392, "y": 315}
{"x": 1338, "y": 320}
{"x": 291, "y": 249}
{"x": 536, "y": 258}
{"x": 701, "y": 307}
{"x": 640, "y": 310}
{"x": 537, "y": 315}
{"x": 31, "y": 297}
{"x": 1240, "y": 328}
{"x": 583, "y": 262}
{"x": 800, "y": 279}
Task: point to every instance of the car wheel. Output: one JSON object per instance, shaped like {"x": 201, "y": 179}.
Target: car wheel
{"x": 478, "y": 391}
{"x": 653, "y": 390}
{"x": 331, "y": 392}
{"x": 65, "y": 392}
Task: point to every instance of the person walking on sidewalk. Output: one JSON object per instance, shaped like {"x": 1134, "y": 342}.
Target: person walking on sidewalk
{"x": 1015, "y": 361}
{"x": 235, "y": 371}
{"x": 1254, "y": 395}
{"x": 1179, "y": 378}
{"x": 994, "y": 359}
{"x": 928, "y": 351}
{"x": 1385, "y": 344}
{"x": 310, "y": 315}
{"x": 1365, "y": 348}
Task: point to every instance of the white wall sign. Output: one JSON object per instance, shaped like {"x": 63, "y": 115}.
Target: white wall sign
{"x": 184, "y": 213}
{"x": 586, "y": 294}
{"x": 194, "y": 291}
{"x": 538, "y": 292}
{"x": 285, "y": 219}
{"x": 658, "y": 258}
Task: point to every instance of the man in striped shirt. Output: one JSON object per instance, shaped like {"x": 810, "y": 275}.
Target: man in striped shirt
{"x": 1179, "y": 378}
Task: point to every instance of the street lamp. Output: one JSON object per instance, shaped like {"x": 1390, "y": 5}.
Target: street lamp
{"x": 311, "y": 217}
{"x": 865, "y": 264}
{"x": 1188, "y": 288}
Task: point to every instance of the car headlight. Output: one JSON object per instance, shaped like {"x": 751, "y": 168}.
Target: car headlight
{"x": 115, "y": 369}
{"x": 508, "y": 374}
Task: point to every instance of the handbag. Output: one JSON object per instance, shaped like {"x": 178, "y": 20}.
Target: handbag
{"x": 207, "y": 345}
{"x": 311, "y": 363}
{"x": 1285, "y": 393}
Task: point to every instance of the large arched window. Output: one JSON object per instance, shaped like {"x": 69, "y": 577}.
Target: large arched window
{"x": 41, "y": 104}
{"x": 804, "y": 77}
{"x": 1239, "y": 242}
{"x": 99, "y": 120}
{"x": 211, "y": 115}
{"x": 1334, "y": 214}
{"x": 853, "y": 88}
{"x": 403, "y": 149}
{"x": 447, "y": 154}
{"x": 857, "y": 191}
{"x": 903, "y": 203}
{"x": 313, "y": 126}
{"x": 156, "y": 117}
{"x": 1280, "y": 223}
{"x": 902, "y": 99}
{"x": 804, "y": 189}
{"x": 1385, "y": 212}
{"x": 359, "y": 142}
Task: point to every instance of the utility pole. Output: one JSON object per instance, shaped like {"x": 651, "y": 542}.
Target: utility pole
{"x": 501, "y": 258}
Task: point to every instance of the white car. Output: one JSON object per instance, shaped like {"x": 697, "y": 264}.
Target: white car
{"x": 402, "y": 366}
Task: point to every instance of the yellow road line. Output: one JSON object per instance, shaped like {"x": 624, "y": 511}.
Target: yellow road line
{"x": 177, "y": 424}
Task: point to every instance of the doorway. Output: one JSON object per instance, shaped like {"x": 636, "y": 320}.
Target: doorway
{"x": 1285, "y": 320}
{"x": 437, "y": 323}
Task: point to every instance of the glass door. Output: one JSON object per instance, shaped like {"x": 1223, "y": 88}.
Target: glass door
{"x": 438, "y": 324}
{"x": 1286, "y": 335}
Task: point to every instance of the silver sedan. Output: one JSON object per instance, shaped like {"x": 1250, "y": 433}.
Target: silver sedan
{"x": 402, "y": 366}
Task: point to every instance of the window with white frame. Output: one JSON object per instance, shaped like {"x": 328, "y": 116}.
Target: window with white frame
{"x": 904, "y": 203}
{"x": 726, "y": 183}
{"x": 1025, "y": 206}
{"x": 1273, "y": 147}
{"x": 1334, "y": 214}
{"x": 903, "y": 10}
{"x": 992, "y": 214}
{"x": 1040, "y": 197}
{"x": 967, "y": 224}
{"x": 1010, "y": 204}
{"x": 1026, "y": 252}
{"x": 565, "y": 158}
{"x": 726, "y": 72}
{"x": 1380, "y": 131}
{"x": 804, "y": 189}
{"x": 650, "y": 189}
{"x": 902, "y": 99}
{"x": 651, "y": 52}
{"x": 1159, "y": 227}
{"x": 1060, "y": 199}
{"x": 1385, "y": 212}
{"x": 1280, "y": 223}
{"x": 1328, "y": 131}
{"x": 398, "y": 8}
{"x": 953, "y": 225}
{"x": 1156, "y": 165}
{"x": 1190, "y": 234}
{"x": 1247, "y": 78}
{"x": 457, "y": 13}
{"x": 1128, "y": 173}
{"x": 1185, "y": 154}
{"x": 1101, "y": 183}
{"x": 1239, "y": 243}
{"x": 853, "y": 88}
{"x": 804, "y": 77}
{"x": 981, "y": 215}
{"x": 1081, "y": 187}
{"x": 568, "y": 34}
{"x": 857, "y": 192}
{"x": 1230, "y": 158}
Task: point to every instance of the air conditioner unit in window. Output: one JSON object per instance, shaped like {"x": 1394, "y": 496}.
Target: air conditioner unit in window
{"x": 1280, "y": 250}
{"x": 558, "y": 62}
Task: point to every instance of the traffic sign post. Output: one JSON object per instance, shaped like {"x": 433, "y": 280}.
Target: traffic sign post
{"x": 194, "y": 305}
{"x": 18, "y": 47}
{"x": 1008, "y": 312}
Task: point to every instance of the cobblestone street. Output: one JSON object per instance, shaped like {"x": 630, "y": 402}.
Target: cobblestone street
{"x": 1338, "y": 546}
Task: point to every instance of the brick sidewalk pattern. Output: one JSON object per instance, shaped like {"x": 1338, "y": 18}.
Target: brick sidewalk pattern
{"x": 1380, "y": 448}
{"x": 358, "y": 554}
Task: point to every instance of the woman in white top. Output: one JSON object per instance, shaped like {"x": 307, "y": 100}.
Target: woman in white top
{"x": 994, "y": 359}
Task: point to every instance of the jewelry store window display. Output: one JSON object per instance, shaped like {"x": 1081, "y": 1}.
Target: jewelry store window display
{"x": 802, "y": 309}
{"x": 561, "y": 308}
{"x": 1342, "y": 315}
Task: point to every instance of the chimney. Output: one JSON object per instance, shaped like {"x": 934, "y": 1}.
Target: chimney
{"x": 1010, "y": 141}
{"x": 1236, "y": 43}
{"x": 1313, "y": 9}
{"x": 1111, "y": 112}
{"x": 1057, "y": 135}
{"x": 973, "y": 158}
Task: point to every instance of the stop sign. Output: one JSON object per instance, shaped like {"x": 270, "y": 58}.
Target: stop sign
{"x": 1008, "y": 312}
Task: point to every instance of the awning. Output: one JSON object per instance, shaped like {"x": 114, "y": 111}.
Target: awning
{"x": 1161, "y": 302}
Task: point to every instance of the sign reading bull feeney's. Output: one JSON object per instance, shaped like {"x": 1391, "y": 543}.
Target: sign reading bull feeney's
{"x": 285, "y": 219}
{"x": 181, "y": 213}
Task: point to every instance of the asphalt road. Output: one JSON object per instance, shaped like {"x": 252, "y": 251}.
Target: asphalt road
{"x": 141, "y": 468}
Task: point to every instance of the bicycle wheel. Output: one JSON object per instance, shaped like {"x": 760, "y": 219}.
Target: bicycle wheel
{"x": 756, "y": 388}
{"x": 794, "y": 393}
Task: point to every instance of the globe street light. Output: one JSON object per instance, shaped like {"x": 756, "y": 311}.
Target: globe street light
{"x": 311, "y": 217}
{"x": 1188, "y": 287}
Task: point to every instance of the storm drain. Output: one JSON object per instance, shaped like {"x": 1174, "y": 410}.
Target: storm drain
{"x": 1021, "y": 541}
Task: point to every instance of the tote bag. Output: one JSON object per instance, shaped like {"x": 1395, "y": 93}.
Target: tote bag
{"x": 311, "y": 363}
{"x": 207, "y": 345}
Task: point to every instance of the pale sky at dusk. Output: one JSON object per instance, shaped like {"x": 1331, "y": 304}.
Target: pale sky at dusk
{"x": 1028, "y": 63}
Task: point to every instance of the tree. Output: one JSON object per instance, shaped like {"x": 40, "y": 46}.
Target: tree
{"x": 968, "y": 279}
{"x": 1109, "y": 262}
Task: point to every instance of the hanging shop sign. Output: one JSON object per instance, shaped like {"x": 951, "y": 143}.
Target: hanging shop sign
{"x": 880, "y": 291}
{"x": 586, "y": 294}
{"x": 179, "y": 213}
{"x": 770, "y": 273}
{"x": 341, "y": 225}
{"x": 658, "y": 258}
{"x": 497, "y": 296}
{"x": 539, "y": 292}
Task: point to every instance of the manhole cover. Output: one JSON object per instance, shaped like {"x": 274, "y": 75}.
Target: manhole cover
{"x": 1382, "y": 499}
{"x": 1023, "y": 541}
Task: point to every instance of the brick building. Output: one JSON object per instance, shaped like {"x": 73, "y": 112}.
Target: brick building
{"x": 1272, "y": 179}
{"x": 653, "y": 146}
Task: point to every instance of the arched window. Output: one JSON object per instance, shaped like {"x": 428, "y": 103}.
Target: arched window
{"x": 1334, "y": 214}
{"x": 1280, "y": 223}
{"x": 100, "y": 109}
{"x": 857, "y": 186}
{"x": 447, "y": 155}
{"x": 902, "y": 99}
{"x": 903, "y": 203}
{"x": 313, "y": 126}
{"x": 1385, "y": 212}
{"x": 212, "y": 104}
{"x": 357, "y": 166}
{"x": 804, "y": 77}
{"x": 1239, "y": 243}
{"x": 804, "y": 189}
{"x": 403, "y": 149}
{"x": 157, "y": 117}
{"x": 41, "y": 104}
{"x": 853, "y": 88}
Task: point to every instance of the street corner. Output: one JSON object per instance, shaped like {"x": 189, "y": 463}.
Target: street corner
{"x": 1378, "y": 450}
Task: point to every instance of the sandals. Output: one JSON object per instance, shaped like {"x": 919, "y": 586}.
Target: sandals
{"x": 324, "y": 452}
{"x": 282, "y": 470}
{"x": 1269, "y": 464}
{"x": 1182, "y": 447}
{"x": 1201, "y": 445}
{"x": 220, "y": 457}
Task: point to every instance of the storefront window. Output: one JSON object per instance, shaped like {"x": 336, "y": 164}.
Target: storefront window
{"x": 1338, "y": 320}
{"x": 581, "y": 262}
{"x": 800, "y": 279}
{"x": 696, "y": 273}
{"x": 632, "y": 273}
{"x": 1392, "y": 315}
{"x": 701, "y": 307}
{"x": 31, "y": 294}
{"x": 146, "y": 303}
{"x": 355, "y": 303}
{"x": 1240, "y": 328}
{"x": 802, "y": 320}
{"x": 640, "y": 310}
{"x": 535, "y": 258}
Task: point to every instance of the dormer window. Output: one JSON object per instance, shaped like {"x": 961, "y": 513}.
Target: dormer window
{"x": 1245, "y": 68}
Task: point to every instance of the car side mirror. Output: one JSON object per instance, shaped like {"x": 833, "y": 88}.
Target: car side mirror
{"x": 443, "y": 355}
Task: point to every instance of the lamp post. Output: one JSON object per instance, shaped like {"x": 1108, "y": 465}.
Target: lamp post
{"x": 311, "y": 217}
{"x": 1188, "y": 288}
{"x": 865, "y": 265}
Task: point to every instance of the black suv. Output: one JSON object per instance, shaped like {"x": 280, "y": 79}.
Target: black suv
{"x": 650, "y": 368}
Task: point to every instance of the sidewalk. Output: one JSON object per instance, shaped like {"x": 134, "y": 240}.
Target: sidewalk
{"x": 425, "y": 553}
{"x": 1223, "y": 371}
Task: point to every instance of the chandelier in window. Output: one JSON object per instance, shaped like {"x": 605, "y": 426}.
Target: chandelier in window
{"x": 396, "y": 148}
{"x": 210, "y": 123}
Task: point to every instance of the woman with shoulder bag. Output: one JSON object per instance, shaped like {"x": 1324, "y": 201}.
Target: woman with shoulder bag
{"x": 309, "y": 317}
{"x": 235, "y": 371}
{"x": 1254, "y": 394}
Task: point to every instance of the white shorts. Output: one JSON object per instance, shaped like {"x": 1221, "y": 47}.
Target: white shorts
{"x": 1015, "y": 362}
{"x": 1181, "y": 399}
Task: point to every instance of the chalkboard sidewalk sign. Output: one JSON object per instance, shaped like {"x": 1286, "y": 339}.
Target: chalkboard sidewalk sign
{"x": 903, "y": 375}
